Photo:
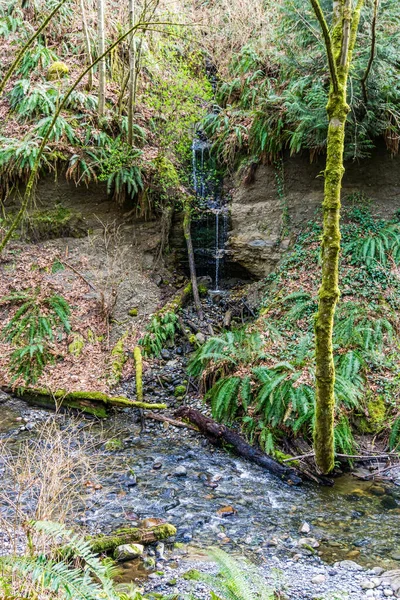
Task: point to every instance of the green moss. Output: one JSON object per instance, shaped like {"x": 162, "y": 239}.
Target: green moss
{"x": 53, "y": 223}
{"x": 203, "y": 289}
{"x": 77, "y": 345}
{"x": 281, "y": 456}
{"x": 165, "y": 531}
{"x": 179, "y": 391}
{"x": 133, "y": 312}
{"x": 91, "y": 337}
{"x": 192, "y": 575}
{"x": 107, "y": 543}
{"x": 57, "y": 70}
{"x": 115, "y": 444}
{"x": 118, "y": 359}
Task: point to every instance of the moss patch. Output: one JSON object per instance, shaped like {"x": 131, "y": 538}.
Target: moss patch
{"x": 52, "y": 224}
{"x": 77, "y": 345}
{"x": 57, "y": 70}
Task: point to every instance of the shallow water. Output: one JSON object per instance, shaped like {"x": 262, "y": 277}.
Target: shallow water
{"x": 266, "y": 513}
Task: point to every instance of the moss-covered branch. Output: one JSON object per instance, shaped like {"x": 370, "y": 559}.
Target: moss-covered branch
{"x": 103, "y": 544}
{"x": 94, "y": 403}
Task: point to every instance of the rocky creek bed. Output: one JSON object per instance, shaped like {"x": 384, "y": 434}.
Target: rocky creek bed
{"x": 314, "y": 541}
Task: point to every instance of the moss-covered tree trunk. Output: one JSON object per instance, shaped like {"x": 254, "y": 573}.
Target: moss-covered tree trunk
{"x": 339, "y": 41}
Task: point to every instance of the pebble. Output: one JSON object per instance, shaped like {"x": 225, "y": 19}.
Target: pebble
{"x": 180, "y": 471}
{"x": 318, "y": 579}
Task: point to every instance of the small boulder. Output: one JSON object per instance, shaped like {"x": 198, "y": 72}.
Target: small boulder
{"x": 180, "y": 471}
{"x": 128, "y": 552}
{"x": 305, "y": 528}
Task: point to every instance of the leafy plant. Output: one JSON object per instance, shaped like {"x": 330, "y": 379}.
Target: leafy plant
{"x": 161, "y": 329}
{"x": 72, "y": 572}
{"x": 32, "y": 329}
{"x": 120, "y": 168}
{"x": 236, "y": 580}
{"x": 30, "y": 102}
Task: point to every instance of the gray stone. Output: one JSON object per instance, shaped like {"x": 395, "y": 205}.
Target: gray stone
{"x": 318, "y": 579}
{"x": 305, "y": 528}
{"x": 128, "y": 551}
{"x": 180, "y": 471}
{"x": 308, "y": 541}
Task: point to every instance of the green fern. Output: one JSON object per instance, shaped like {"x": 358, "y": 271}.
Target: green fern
{"x": 236, "y": 580}
{"x": 88, "y": 581}
{"x": 32, "y": 329}
{"x": 161, "y": 329}
{"x": 394, "y": 438}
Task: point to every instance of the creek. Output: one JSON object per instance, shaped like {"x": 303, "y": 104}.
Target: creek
{"x": 181, "y": 478}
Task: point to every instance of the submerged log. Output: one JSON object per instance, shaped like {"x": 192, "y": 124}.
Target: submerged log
{"x": 217, "y": 434}
{"x": 94, "y": 403}
{"x": 103, "y": 544}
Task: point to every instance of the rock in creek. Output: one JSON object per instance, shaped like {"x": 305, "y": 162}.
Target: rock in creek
{"x": 128, "y": 551}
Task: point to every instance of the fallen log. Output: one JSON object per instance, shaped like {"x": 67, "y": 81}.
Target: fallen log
{"x": 103, "y": 544}
{"x": 217, "y": 434}
{"x": 174, "y": 422}
{"x": 94, "y": 403}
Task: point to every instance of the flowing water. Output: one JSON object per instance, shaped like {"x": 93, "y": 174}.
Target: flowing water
{"x": 210, "y": 230}
{"x": 349, "y": 520}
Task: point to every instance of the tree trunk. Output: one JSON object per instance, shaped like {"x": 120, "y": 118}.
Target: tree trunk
{"x": 132, "y": 73}
{"x": 102, "y": 62}
{"x": 339, "y": 45}
{"x": 87, "y": 44}
{"x": 192, "y": 265}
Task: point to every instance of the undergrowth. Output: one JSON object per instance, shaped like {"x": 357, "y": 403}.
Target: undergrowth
{"x": 263, "y": 376}
{"x": 38, "y": 320}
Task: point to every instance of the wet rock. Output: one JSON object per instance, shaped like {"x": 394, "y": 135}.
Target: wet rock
{"x": 180, "y": 471}
{"x": 308, "y": 542}
{"x": 377, "y": 490}
{"x": 368, "y": 584}
{"x": 226, "y": 511}
{"x": 128, "y": 551}
{"x": 389, "y": 502}
{"x": 318, "y": 579}
{"x": 160, "y": 548}
{"x": 165, "y": 354}
{"x": 129, "y": 480}
{"x": 305, "y": 528}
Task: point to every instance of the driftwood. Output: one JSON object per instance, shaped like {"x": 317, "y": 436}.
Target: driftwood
{"x": 94, "y": 403}
{"x": 156, "y": 417}
{"x": 217, "y": 434}
{"x": 103, "y": 544}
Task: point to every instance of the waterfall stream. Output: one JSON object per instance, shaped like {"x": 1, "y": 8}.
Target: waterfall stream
{"x": 209, "y": 244}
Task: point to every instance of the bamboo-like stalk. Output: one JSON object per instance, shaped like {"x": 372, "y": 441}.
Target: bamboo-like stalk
{"x": 102, "y": 61}
{"x": 87, "y": 44}
{"x": 132, "y": 73}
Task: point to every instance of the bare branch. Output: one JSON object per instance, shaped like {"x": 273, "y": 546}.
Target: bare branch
{"x": 328, "y": 43}
{"x": 372, "y": 53}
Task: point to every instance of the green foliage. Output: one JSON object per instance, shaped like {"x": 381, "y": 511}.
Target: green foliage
{"x": 264, "y": 376}
{"x": 161, "y": 329}
{"x": 37, "y": 58}
{"x": 61, "y": 131}
{"x": 32, "y": 329}
{"x": 74, "y": 572}
{"x": 236, "y": 580}
{"x": 30, "y": 102}
{"x": 121, "y": 169}
{"x": 274, "y": 97}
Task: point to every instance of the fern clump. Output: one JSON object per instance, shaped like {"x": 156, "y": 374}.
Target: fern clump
{"x": 161, "y": 330}
{"x": 32, "y": 329}
{"x": 263, "y": 376}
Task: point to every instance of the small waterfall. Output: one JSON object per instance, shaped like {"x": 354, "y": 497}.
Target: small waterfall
{"x": 210, "y": 243}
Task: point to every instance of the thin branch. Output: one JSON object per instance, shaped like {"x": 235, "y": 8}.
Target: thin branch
{"x": 27, "y": 45}
{"x": 344, "y": 55}
{"x": 372, "y": 53}
{"x": 328, "y": 43}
